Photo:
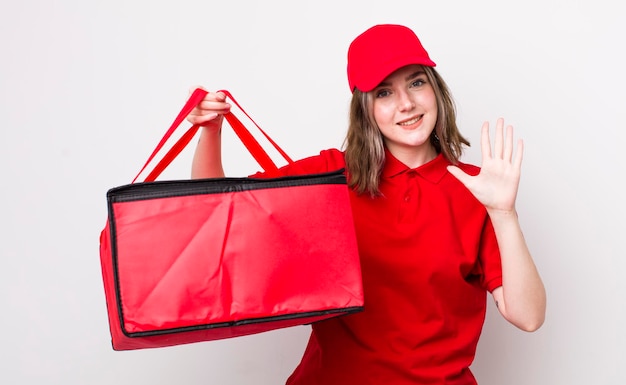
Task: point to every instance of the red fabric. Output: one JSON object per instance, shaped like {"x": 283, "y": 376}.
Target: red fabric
{"x": 428, "y": 255}
{"x": 381, "y": 50}
{"x": 189, "y": 261}
{"x": 266, "y": 257}
{"x": 252, "y": 145}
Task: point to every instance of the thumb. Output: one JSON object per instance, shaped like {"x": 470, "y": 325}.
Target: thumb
{"x": 459, "y": 174}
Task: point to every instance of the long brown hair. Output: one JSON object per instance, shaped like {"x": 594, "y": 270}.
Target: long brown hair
{"x": 364, "y": 145}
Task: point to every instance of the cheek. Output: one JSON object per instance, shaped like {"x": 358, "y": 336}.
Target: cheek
{"x": 431, "y": 101}
{"x": 382, "y": 113}
{"x": 434, "y": 107}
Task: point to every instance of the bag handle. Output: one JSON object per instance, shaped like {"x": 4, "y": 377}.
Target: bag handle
{"x": 251, "y": 144}
{"x": 249, "y": 141}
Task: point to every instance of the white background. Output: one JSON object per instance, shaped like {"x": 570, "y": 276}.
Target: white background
{"x": 87, "y": 89}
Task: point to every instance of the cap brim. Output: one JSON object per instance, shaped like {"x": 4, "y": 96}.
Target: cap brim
{"x": 383, "y": 71}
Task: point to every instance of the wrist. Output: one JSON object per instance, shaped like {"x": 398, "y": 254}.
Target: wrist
{"x": 502, "y": 214}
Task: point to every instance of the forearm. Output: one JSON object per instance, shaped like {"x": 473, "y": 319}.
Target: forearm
{"x": 207, "y": 159}
{"x": 523, "y": 298}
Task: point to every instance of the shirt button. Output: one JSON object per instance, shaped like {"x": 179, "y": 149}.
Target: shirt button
{"x": 407, "y": 198}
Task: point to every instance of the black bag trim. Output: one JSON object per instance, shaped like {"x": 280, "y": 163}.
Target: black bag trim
{"x": 249, "y": 321}
{"x": 173, "y": 188}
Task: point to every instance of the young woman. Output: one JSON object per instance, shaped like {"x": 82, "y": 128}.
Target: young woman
{"x": 434, "y": 234}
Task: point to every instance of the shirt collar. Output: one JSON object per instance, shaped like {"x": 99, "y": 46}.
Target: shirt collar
{"x": 432, "y": 171}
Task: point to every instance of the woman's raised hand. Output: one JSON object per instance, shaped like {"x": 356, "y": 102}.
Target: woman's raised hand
{"x": 497, "y": 183}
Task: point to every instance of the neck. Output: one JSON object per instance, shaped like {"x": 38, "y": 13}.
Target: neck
{"x": 413, "y": 157}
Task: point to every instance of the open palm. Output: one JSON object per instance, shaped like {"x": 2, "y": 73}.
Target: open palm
{"x": 497, "y": 183}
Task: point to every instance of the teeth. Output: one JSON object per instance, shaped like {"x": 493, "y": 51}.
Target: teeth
{"x": 409, "y": 122}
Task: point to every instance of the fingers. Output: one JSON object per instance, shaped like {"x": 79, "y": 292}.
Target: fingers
{"x": 508, "y": 144}
{"x": 459, "y": 174}
{"x": 519, "y": 155}
{"x": 503, "y": 145}
{"x": 213, "y": 105}
{"x": 215, "y": 102}
{"x": 485, "y": 142}
{"x": 498, "y": 143}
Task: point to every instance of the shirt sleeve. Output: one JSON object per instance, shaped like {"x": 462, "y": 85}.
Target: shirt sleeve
{"x": 490, "y": 258}
{"x": 489, "y": 265}
{"x": 325, "y": 161}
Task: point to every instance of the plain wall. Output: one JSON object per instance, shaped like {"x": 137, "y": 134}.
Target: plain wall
{"x": 87, "y": 89}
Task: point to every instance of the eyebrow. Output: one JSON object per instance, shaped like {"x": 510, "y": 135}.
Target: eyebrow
{"x": 409, "y": 77}
{"x": 416, "y": 74}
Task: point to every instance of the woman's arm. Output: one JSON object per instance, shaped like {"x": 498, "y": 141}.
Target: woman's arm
{"x": 207, "y": 159}
{"x": 522, "y": 298}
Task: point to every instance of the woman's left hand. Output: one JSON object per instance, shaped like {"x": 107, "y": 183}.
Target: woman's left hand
{"x": 497, "y": 183}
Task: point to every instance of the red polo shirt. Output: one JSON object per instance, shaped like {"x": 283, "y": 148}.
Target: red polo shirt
{"x": 428, "y": 256}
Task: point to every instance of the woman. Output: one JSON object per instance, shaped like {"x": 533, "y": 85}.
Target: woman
{"x": 434, "y": 234}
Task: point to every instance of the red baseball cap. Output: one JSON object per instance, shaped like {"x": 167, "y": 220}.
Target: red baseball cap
{"x": 381, "y": 50}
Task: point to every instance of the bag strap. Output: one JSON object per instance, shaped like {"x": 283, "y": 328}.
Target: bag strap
{"x": 195, "y": 98}
{"x": 251, "y": 144}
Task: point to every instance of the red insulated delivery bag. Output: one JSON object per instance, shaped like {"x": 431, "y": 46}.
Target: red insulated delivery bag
{"x": 186, "y": 261}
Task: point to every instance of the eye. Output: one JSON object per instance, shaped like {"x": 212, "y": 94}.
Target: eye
{"x": 382, "y": 93}
{"x": 418, "y": 82}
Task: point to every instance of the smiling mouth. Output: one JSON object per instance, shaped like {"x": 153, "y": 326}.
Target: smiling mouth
{"x": 411, "y": 121}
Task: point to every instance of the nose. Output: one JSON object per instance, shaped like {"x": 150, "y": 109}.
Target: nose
{"x": 405, "y": 102}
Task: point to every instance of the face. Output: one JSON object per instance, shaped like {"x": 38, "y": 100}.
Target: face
{"x": 405, "y": 109}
